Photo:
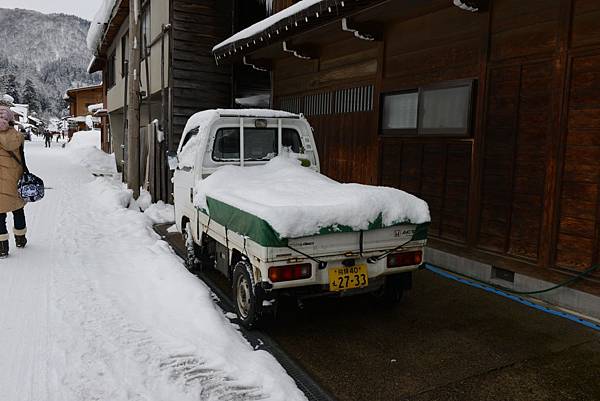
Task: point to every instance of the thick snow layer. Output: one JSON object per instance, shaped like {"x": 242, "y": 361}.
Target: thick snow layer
{"x": 203, "y": 120}
{"x": 84, "y": 148}
{"x": 98, "y": 307}
{"x": 160, "y": 212}
{"x": 267, "y": 22}
{"x": 297, "y": 201}
{"x": 95, "y": 107}
{"x": 97, "y": 26}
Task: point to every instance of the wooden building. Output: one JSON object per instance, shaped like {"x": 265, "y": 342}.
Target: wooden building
{"x": 79, "y": 100}
{"x": 178, "y": 75}
{"x": 488, "y": 110}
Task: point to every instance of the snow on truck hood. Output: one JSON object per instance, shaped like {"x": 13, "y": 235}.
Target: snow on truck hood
{"x": 298, "y": 202}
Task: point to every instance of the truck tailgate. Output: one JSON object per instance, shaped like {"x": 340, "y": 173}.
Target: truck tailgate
{"x": 343, "y": 243}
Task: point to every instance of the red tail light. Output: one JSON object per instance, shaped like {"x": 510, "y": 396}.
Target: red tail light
{"x": 404, "y": 259}
{"x": 289, "y": 273}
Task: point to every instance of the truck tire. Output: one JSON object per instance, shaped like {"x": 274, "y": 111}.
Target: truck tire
{"x": 192, "y": 251}
{"x": 391, "y": 292}
{"x": 248, "y": 301}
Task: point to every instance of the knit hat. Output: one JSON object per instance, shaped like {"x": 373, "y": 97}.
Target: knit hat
{"x": 6, "y": 114}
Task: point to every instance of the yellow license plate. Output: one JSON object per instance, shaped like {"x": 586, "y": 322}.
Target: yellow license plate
{"x": 346, "y": 278}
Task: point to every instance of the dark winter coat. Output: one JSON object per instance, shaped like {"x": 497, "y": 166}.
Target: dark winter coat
{"x": 10, "y": 170}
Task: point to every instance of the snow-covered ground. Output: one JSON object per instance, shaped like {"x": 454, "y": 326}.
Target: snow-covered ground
{"x": 97, "y": 307}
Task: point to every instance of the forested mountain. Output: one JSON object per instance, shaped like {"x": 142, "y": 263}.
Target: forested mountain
{"x": 42, "y": 55}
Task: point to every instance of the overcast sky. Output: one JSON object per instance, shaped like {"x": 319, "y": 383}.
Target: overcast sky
{"x": 82, "y": 8}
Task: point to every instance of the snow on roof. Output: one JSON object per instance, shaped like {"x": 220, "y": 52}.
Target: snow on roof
{"x": 298, "y": 202}
{"x": 98, "y": 24}
{"x": 268, "y": 22}
{"x": 463, "y": 4}
{"x": 254, "y": 101}
{"x": 82, "y": 119}
{"x": 95, "y": 107}
{"x": 203, "y": 119}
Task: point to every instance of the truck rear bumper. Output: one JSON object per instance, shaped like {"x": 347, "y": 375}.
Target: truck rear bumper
{"x": 404, "y": 279}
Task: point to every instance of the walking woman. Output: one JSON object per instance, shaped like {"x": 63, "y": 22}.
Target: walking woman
{"x": 10, "y": 172}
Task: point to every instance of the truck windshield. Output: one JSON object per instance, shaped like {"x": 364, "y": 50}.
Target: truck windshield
{"x": 260, "y": 144}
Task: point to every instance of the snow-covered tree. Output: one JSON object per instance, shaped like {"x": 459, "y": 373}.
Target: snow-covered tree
{"x": 30, "y": 96}
{"x": 12, "y": 87}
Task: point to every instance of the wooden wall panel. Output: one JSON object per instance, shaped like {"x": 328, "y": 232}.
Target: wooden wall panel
{"x": 450, "y": 49}
{"x": 586, "y": 26}
{"x": 438, "y": 172}
{"x": 516, "y": 138}
{"x": 347, "y": 146}
{"x": 579, "y": 213}
{"x": 524, "y": 28}
{"x": 197, "y": 82}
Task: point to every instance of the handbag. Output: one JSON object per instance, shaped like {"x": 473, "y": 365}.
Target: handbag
{"x": 29, "y": 187}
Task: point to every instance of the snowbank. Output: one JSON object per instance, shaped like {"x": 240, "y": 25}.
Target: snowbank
{"x": 160, "y": 212}
{"x": 297, "y": 201}
{"x": 84, "y": 148}
{"x": 151, "y": 283}
{"x": 202, "y": 120}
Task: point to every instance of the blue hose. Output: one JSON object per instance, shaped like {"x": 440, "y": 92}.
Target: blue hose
{"x": 521, "y": 300}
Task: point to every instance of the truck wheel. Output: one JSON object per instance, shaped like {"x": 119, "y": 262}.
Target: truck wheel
{"x": 391, "y": 292}
{"x": 191, "y": 249}
{"x": 247, "y": 301}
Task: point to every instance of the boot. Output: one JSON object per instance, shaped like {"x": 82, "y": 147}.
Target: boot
{"x": 3, "y": 249}
{"x": 21, "y": 241}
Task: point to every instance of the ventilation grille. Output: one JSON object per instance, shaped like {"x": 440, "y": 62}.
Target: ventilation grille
{"x": 351, "y": 100}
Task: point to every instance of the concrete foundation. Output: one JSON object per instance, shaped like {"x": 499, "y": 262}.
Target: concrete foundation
{"x": 566, "y": 298}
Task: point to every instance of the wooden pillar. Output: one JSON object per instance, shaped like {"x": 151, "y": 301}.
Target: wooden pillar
{"x": 133, "y": 110}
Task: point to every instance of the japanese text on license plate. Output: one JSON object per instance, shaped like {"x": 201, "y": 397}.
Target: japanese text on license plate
{"x": 346, "y": 278}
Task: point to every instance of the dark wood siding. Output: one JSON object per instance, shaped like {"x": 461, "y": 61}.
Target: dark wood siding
{"x": 516, "y": 136}
{"x": 197, "y": 82}
{"x": 436, "y": 169}
{"x": 522, "y": 190}
{"x": 346, "y": 141}
{"x": 579, "y": 207}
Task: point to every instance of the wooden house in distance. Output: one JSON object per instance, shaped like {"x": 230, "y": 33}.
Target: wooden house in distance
{"x": 488, "y": 110}
{"x": 79, "y": 100}
{"x": 178, "y": 74}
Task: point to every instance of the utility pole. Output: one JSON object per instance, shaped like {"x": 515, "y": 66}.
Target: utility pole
{"x": 133, "y": 109}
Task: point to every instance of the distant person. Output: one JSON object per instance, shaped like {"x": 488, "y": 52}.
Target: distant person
{"x": 48, "y": 138}
{"x": 11, "y": 143}
{"x": 57, "y": 137}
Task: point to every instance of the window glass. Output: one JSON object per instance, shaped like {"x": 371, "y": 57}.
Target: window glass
{"x": 260, "y": 144}
{"x": 124, "y": 53}
{"x": 445, "y": 110}
{"x": 400, "y": 111}
{"x": 189, "y": 136}
{"x": 110, "y": 71}
{"x": 145, "y": 31}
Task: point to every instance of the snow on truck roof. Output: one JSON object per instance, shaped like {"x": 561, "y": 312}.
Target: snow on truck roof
{"x": 203, "y": 119}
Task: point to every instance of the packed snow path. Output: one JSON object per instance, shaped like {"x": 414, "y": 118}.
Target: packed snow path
{"x": 98, "y": 308}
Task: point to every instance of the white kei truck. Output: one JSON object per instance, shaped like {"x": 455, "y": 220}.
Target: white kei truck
{"x": 261, "y": 263}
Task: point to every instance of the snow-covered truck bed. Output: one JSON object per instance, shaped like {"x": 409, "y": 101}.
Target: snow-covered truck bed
{"x": 275, "y": 226}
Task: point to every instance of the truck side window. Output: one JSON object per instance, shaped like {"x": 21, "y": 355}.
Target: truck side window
{"x": 189, "y": 136}
{"x": 260, "y": 144}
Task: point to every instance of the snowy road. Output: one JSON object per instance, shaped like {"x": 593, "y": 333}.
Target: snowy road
{"x": 98, "y": 308}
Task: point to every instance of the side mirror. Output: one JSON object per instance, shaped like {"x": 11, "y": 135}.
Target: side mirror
{"x": 172, "y": 160}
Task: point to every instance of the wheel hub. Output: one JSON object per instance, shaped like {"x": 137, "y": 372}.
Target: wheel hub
{"x": 243, "y": 297}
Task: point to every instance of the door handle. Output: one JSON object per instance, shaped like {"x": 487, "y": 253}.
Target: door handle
{"x": 192, "y": 195}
